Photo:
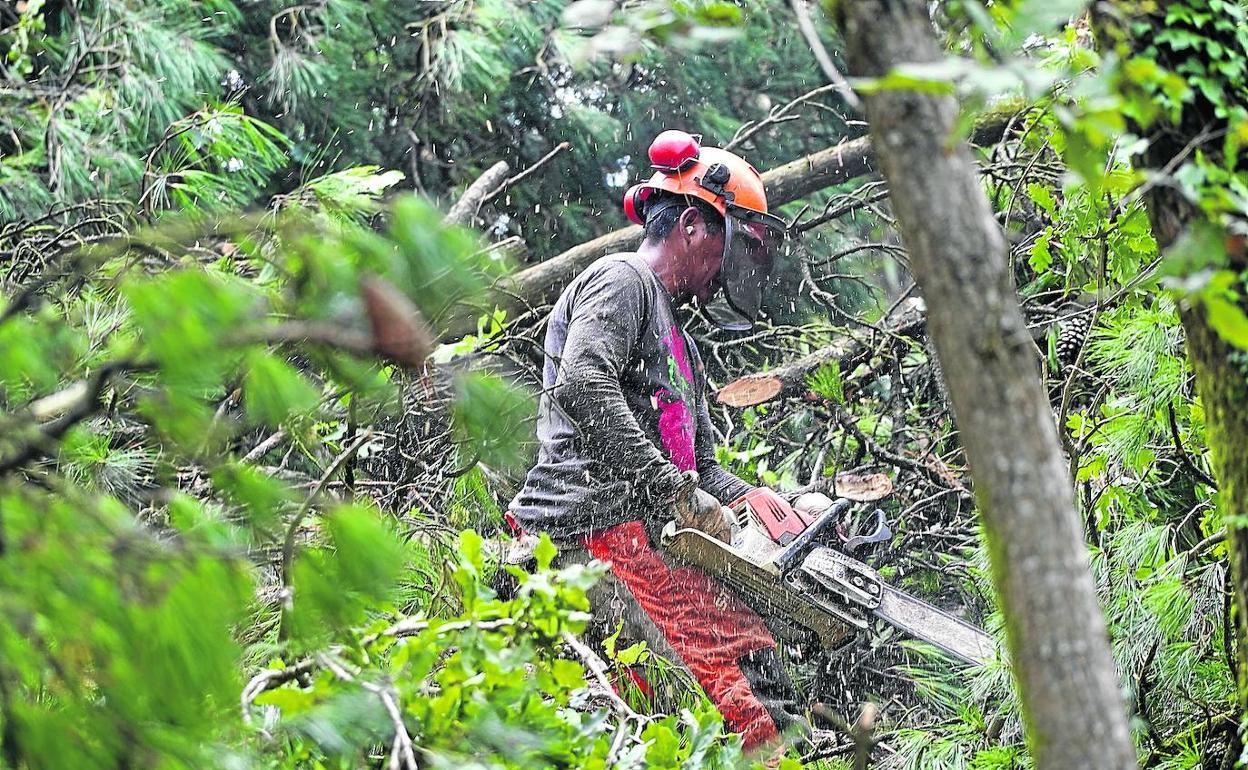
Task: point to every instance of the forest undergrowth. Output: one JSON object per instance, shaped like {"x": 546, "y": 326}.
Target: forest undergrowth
{"x": 251, "y": 495}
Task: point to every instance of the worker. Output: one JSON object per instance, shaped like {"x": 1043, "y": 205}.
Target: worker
{"x": 625, "y": 436}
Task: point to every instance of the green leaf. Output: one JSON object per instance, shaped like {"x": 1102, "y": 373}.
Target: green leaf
{"x": 470, "y": 545}
{"x": 185, "y": 317}
{"x": 493, "y": 417}
{"x": 664, "y": 748}
{"x": 1043, "y": 197}
{"x": 368, "y": 554}
{"x": 1228, "y": 320}
{"x": 263, "y": 497}
{"x": 1041, "y": 258}
{"x": 290, "y": 700}
{"x": 937, "y": 78}
{"x": 633, "y": 654}
{"x": 568, "y": 673}
{"x": 1041, "y": 17}
{"x": 273, "y": 389}
{"x": 544, "y": 552}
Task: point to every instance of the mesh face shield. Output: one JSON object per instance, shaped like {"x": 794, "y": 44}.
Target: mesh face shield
{"x": 751, "y": 241}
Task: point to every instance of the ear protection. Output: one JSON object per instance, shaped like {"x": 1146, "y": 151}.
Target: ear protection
{"x": 635, "y": 203}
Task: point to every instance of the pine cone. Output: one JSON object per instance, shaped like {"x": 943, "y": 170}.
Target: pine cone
{"x": 1072, "y": 331}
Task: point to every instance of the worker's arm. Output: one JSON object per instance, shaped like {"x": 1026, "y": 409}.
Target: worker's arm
{"x": 714, "y": 479}
{"x": 603, "y": 330}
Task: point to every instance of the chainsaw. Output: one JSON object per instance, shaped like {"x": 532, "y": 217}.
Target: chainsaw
{"x": 795, "y": 567}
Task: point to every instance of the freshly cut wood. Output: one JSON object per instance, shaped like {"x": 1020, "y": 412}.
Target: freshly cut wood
{"x": 863, "y": 487}
{"x": 751, "y": 390}
{"x": 790, "y": 379}
{"x": 540, "y": 284}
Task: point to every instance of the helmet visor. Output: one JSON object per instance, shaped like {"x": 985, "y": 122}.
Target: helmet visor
{"x": 751, "y": 241}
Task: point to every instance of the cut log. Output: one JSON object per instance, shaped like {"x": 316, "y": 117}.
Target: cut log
{"x": 862, "y": 487}
{"x": 541, "y": 284}
{"x": 790, "y": 379}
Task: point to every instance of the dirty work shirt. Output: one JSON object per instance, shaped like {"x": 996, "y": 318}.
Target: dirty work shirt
{"x": 623, "y": 410}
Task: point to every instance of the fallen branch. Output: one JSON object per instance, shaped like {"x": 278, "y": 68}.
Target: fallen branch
{"x": 79, "y": 402}
{"x": 513, "y": 181}
{"x": 267, "y": 680}
{"x": 936, "y": 473}
{"x": 541, "y": 284}
{"x": 790, "y": 379}
{"x": 476, "y": 194}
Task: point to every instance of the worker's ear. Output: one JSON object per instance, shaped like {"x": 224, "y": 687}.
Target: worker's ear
{"x": 688, "y": 222}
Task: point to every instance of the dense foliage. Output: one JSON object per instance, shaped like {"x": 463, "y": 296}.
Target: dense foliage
{"x": 232, "y": 491}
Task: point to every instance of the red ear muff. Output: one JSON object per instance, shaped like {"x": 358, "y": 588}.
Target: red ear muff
{"x": 635, "y": 203}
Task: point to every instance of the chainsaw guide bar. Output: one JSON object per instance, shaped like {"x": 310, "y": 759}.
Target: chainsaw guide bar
{"x": 827, "y": 592}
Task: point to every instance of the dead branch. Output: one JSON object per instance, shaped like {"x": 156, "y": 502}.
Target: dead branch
{"x": 807, "y": 27}
{"x": 776, "y": 115}
{"x": 476, "y": 194}
{"x": 541, "y": 283}
{"x": 513, "y": 181}
{"x": 84, "y": 402}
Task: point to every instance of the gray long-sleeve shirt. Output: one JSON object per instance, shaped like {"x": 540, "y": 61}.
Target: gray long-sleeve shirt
{"x": 623, "y": 410}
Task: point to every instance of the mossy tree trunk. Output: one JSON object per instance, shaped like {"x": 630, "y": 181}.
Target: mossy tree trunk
{"x": 1223, "y": 387}
{"x": 1222, "y": 383}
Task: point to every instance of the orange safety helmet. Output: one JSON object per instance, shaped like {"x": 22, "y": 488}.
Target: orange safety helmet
{"x": 732, "y": 187}
{"x": 683, "y": 167}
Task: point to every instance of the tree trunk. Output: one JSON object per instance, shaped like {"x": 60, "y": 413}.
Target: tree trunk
{"x": 1067, "y": 683}
{"x": 1222, "y": 382}
{"x": 1223, "y": 386}
{"x": 1221, "y": 374}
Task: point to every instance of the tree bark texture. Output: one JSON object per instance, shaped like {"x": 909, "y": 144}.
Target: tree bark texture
{"x": 1222, "y": 381}
{"x": 1069, "y": 689}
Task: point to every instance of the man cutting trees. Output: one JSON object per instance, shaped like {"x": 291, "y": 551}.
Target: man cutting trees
{"x": 626, "y": 442}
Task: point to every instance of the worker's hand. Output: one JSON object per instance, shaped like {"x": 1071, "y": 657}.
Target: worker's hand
{"x": 695, "y": 509}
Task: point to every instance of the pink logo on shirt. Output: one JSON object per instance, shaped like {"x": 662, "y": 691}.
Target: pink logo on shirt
{"x": 676, "y": 427}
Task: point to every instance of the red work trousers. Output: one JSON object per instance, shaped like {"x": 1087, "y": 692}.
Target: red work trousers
{"x": 690, "y": 618}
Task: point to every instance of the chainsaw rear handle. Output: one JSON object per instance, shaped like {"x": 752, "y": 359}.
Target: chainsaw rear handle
{"x": 880, "y": 533}
{"x": 795, "y": 551}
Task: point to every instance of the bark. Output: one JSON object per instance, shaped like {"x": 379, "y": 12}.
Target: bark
{"x": 1067, "y": 683}
{"x": 1221, "y": 375}
{"x": 541, "y": 284}
{"x": 1222, "y": 383}
{"x": 790, "y": 378}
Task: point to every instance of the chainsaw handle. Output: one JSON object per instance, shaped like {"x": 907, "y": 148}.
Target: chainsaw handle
{"x": 879, "y": 533}
{"x": 808, "y": 538}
